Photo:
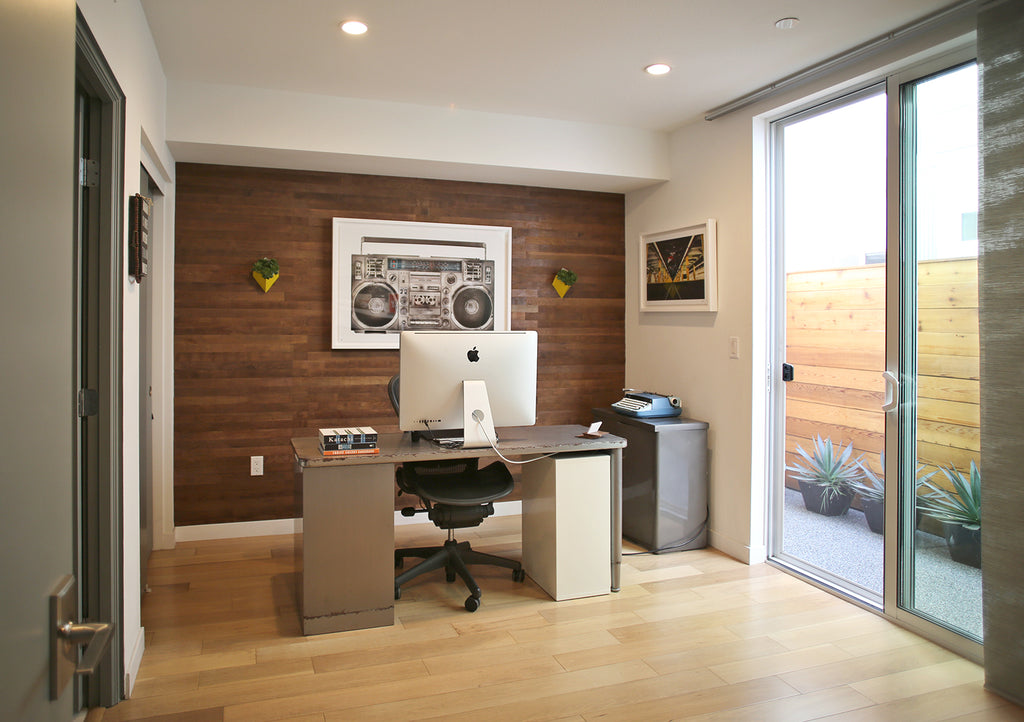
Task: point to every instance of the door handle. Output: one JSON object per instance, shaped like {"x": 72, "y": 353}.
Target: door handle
{"x": 892, "y": 391}
{"x": 67, "y": 636}
{"x": 94, "y": 635}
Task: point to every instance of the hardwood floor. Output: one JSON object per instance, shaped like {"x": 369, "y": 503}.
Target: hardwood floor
{"x": 692, "y": 635}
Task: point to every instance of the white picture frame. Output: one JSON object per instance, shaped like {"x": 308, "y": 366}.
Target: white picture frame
{"x": 679, "y": 269}
{"x": 409, "y": 239}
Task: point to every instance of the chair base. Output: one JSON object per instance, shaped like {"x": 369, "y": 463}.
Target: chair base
{"x": 454, "y": 556}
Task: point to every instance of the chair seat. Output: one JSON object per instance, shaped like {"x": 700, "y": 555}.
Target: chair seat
{"x": 479, "y": 487}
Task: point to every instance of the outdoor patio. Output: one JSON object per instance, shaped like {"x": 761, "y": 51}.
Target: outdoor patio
{"x": 844, "y": 545}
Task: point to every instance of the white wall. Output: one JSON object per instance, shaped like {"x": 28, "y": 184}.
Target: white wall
{"x": 717, "y": 170}
{"x": 121, "y": 31}
{"x": 279, "y": 129}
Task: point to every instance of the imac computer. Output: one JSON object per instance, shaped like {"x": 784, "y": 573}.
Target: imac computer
{"x": 466, "y": 383}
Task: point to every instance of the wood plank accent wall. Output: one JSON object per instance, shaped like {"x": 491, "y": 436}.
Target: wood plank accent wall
{"x": 254, "y": 369}
{"x": 835, "y": 336}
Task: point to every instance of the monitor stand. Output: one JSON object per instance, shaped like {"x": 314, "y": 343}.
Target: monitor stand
{"x": 477, "y": 424}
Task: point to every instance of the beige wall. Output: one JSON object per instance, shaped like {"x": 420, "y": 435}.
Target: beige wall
{"x": 717, "y": 171}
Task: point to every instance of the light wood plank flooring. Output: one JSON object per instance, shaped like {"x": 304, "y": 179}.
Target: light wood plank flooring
{"x": 692, "y": 635}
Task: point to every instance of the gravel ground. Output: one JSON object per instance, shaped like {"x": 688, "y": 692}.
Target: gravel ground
{"x": 844, "y": 545}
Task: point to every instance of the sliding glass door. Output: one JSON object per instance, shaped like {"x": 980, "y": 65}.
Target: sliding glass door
{"x": 831, "y": 232}
{"x": 936, "y": 422}
{"x": 875, "y": 349}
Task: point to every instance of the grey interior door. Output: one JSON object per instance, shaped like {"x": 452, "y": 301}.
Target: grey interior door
{"x": 36, "y": 200}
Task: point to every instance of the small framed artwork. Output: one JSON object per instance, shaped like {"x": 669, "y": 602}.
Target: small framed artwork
{"x": 140, "y": 210}
{"x": 679, "y": 269}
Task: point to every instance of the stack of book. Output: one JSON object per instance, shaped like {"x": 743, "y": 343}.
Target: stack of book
{"x": 348, "y": 441}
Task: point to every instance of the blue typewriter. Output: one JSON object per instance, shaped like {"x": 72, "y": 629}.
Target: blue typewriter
{"x": 645, "y": 405}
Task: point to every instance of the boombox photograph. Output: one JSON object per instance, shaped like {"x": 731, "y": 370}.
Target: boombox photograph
{"x": 391, "y": 294}
{"x": 394, "y": 276}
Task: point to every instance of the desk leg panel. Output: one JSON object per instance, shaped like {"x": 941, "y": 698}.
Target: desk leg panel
{"x": 347, "y": 548}
{"x": 616, "y": 511}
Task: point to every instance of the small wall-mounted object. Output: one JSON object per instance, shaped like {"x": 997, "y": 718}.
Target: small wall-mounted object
{"x": 564, "y": 280}
{"x": 265, "y": 271}
{"x": 139, "y": 213}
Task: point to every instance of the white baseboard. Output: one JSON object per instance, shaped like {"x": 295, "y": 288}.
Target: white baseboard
{"x": 132, "y": 663}
{"x": 272, "y": 527}
{"x": 741, "y": 552}
{"x": 237, "y": 530}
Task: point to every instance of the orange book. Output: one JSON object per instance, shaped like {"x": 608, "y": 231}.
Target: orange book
{"x": 349, "y": 452}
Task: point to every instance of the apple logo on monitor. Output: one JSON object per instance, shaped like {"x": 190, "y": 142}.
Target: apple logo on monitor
{"x": 473, "y": 355}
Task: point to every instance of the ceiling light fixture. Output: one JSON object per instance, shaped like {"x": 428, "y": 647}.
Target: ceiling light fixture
{"x": 657, "y": 69}
{"x": 787, "y": 23}
{"x": 354, "y": 27}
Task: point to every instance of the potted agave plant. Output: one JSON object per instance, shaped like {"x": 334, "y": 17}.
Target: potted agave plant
{"x": 959, "y": 510}
{"x": 826, "y": 476}
{"x": 871, "y": 490}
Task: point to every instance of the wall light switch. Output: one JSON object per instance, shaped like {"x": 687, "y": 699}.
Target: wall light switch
{"x": 255, "y": 466}
{"x": 734, "y": 347}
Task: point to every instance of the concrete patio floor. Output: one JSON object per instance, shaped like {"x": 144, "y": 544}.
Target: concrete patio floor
{"x": 844, "y": 545}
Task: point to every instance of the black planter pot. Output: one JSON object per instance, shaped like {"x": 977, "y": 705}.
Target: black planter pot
{"x": 874, "y": 512}
{"x": 964, "y": 544}
{"x": 816, "y": 500}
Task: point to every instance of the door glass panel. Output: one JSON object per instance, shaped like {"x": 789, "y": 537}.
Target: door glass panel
{"x": 940, "y": 575}
{"x": 831, "y": 217}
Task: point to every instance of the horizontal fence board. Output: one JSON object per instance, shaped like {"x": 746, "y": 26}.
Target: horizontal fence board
{"x": 835, "y": 339}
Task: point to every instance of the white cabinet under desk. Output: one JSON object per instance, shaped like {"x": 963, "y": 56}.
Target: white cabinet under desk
{"x": 566, "y": 517}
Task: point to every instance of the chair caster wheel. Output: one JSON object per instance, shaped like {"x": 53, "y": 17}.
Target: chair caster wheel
{"x": 518, "y": 575}
{"x": 449, "y": 576}
{"x": 472, "y": 604}
{"x": 398, "y": 593}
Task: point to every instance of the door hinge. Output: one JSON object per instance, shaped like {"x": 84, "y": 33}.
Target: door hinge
{"x": 88, "y": 402}
{"x": 88, "y": 173}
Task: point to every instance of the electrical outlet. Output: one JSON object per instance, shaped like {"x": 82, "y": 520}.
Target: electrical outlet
{"x": 255, "y": 466}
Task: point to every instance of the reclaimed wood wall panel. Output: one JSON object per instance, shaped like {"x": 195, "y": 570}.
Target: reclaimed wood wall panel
{"x": 254, "y": 369}
{"x": 835, "y": 336}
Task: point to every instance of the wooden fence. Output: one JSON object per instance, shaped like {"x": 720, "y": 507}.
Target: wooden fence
{"x": 835, "y": 339}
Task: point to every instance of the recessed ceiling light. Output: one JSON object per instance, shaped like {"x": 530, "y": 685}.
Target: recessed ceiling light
{"x": 658, "y": 69}
{"x": 354, "y": 27}
{"x": 787, "y": 23}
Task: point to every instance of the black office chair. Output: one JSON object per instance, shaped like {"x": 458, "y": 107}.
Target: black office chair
{"x": 455, "y": 495}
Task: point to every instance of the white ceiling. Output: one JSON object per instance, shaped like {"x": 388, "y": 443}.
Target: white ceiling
{"x": 579, "y": 60}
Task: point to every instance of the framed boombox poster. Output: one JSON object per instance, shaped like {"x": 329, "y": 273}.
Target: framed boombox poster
{"x": 394, "y": 276}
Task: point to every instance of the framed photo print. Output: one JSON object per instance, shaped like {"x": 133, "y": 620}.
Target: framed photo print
{"x": 391, "y": 276}
{"x": 679, "y": 269}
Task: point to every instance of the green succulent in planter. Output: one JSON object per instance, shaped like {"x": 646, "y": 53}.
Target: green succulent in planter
{"x": 828, "y": 473}
{"x": 266, "y": 267}
{"x": 960, "y": 506}
{"x": 566, "y": 276}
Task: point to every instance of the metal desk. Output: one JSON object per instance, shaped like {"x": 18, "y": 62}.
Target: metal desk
{"x": 348, "y": 529}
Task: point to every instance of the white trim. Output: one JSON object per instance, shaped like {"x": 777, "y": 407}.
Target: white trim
{"x": 746, "y": 553}
{"x": 237, "y": 530}
{"x": 133, "y": 662}
{"x": 273, "y": 527}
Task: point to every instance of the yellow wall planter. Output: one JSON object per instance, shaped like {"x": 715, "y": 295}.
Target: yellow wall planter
{"x": 265, "y": 283}
{"x": 564, "y": 280}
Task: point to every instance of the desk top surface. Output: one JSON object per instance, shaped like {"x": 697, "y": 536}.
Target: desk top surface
{"x": 514, "y": 441}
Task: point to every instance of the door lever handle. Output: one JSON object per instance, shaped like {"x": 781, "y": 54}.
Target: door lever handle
{"x": 96, "y": 637}
{"x": 892, "y": 391}
{"x": 67, "y": 636}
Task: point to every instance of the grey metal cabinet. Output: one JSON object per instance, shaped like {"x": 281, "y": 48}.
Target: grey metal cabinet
{"x": 664, "y": 480}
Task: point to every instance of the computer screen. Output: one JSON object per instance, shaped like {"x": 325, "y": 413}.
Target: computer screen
{"x": 438, "y": 368}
